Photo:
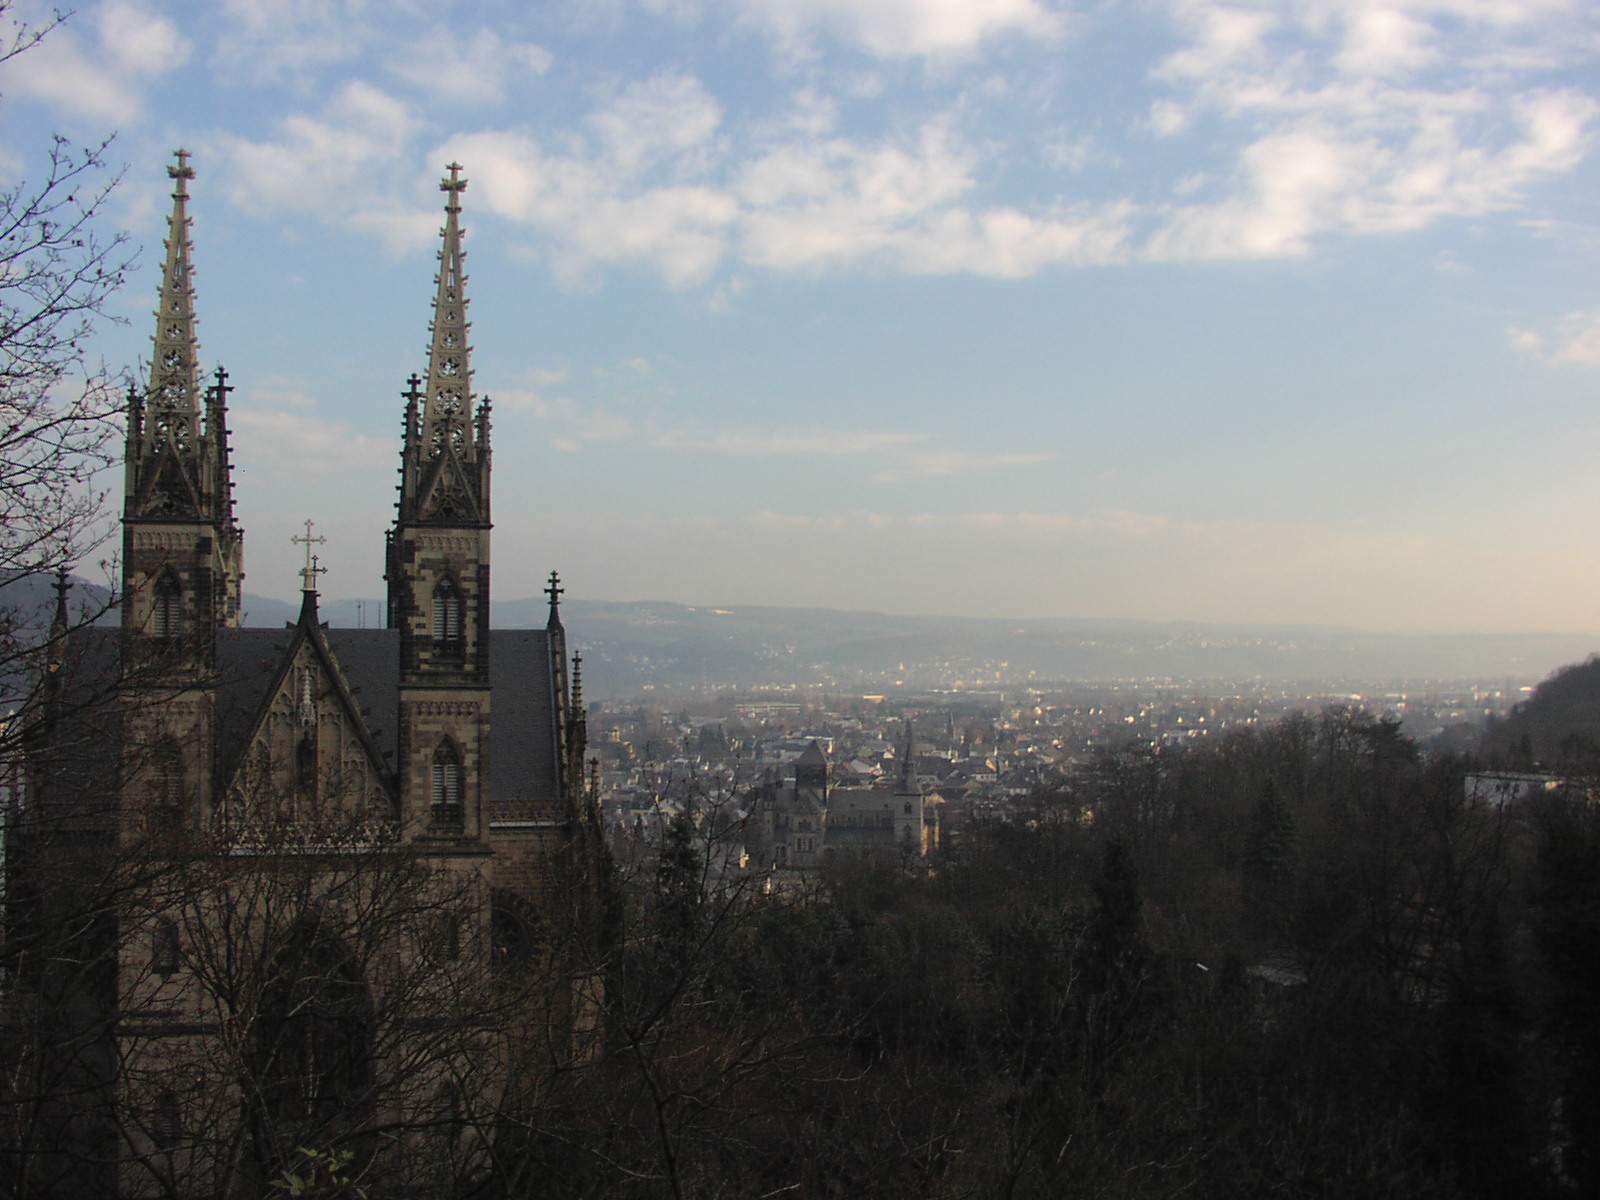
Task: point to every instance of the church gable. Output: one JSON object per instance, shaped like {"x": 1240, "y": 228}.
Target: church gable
{"x": 450, "y": 495}
{"x": 309, "y": 762}
{"x": 169, "y": 489}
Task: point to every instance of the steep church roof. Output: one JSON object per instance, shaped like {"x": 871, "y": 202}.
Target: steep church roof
{"x": 522, "y": 759}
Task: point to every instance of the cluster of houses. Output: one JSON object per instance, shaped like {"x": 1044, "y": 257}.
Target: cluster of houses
{"x": 787, "y": 799}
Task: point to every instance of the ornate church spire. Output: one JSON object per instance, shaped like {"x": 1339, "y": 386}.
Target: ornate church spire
{"x": 183, "y": 564}
{"x": 445, "y": 475}
{"x": 169, "y": 470}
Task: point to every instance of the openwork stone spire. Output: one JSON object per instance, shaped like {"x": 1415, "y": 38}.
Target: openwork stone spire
{"x": 445, "y": 476}
{"x": 183, "y": 563}
{"x": 173, "y": 469}
{"x": 446, "y": 418}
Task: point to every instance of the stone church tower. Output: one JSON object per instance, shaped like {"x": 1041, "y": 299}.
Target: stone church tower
{"x": 182, "y": 548}
{"x": 438, "y": 569}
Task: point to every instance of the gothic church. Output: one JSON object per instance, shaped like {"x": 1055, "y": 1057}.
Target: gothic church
{"x": 452, "y": 749}
{"x": 398, "y": 719}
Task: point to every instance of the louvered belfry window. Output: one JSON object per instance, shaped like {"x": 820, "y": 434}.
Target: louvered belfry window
{"x": 447, "y": 614}
{"x": 166, "y": 618}
{"x": 447, "y": 813}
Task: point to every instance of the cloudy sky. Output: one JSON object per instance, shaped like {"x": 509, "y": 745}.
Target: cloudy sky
{"x": 1227, "y": 311}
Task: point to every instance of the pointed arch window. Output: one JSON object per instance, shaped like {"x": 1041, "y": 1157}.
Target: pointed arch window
{"x": 447, "y": 616}
{"x": 166, "y": 617}
{"x": 312, "y": 1045}
{"x": 447, "y": 778}
{"x": 166, "y": 1121}
{"x": 165, "y": 950}
{"x": 166, "y": 786}
{"x": 305, "y": 767}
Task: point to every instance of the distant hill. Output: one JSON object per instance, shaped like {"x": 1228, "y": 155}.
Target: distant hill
{"x": 630, "y": 646}
{"x": 30, "y": 601}
{"x": 1558, "y": 725}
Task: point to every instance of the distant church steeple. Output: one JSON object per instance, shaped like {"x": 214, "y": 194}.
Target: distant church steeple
{"x": 908, "y": 784}
{"x": 183, "y": 549}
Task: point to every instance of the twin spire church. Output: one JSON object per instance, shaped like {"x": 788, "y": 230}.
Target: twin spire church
{"x": 467, "y": 742}
{"x": 269, "y": 889}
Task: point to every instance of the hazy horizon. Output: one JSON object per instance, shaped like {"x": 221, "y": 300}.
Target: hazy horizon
{"x": 331, "y": 603}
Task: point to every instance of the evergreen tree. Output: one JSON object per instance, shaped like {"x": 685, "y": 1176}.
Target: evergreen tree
{"x": 680, "y": 890}
{"x": 1269, "y": 856}
{"x": 1116, "y": 963}
{"x": 1566, "y": 928}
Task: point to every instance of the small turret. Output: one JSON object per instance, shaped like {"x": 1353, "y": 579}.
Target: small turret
{"x": 577, "y": 727}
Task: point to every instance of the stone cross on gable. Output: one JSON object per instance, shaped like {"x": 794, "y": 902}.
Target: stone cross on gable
{"x": 309, "y": 573}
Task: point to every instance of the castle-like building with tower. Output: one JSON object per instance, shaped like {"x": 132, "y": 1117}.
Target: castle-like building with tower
{"x": 437, "y": 744}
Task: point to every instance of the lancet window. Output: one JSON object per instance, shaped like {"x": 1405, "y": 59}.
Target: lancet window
{"x": 447, "y": 787}
{"x": 165, "y": 951}
{"x": 166, "y": 785}
{"x": 447, "y": 628}
{"x": 166, "y": 618}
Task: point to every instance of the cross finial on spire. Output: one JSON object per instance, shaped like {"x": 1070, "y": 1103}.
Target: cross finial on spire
{"x": 182, "y": 172}
{"x": 455, "y": 185}
{"x": 555, "y": 590}
{"x": 58, "y": 625}
{"x": 309, "y": 573}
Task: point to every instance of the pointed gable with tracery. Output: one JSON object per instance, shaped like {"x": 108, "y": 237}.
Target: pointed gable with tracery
{"x": 308, "y": 764}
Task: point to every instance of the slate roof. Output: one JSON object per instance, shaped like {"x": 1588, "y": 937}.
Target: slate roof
{"x": 522, "y": 754}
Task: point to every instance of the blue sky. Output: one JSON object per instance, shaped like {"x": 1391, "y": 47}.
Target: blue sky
{"x": 1193, "y": 309}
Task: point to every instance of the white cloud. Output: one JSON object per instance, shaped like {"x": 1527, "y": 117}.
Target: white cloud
{"x": 1364, "y": 116}
{"x": 655, "y": 119}
{"x": 1576, "y": 340}
{"x": 903, "y": 28}
{"x": 349, "y": 163}
{"x": 572, "y": 426}
{"x": 656, "y": 187}
{"x": 467, "y": 70}
{"x": 294, "y": 445}
{"x": 941, "y": 464}
{"x": 140, "y": 42}
{"x": 1306, "y": 120}
{"x": 103, "y": 77}
{"x": 1525, "y": 340}
{"x": 266, "y": 39}
{"x": 897, "y": 456}
{"x": 829, "y": 442}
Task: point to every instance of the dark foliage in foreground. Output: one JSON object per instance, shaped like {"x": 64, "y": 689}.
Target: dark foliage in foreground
{"x": 1292, "y": 963}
